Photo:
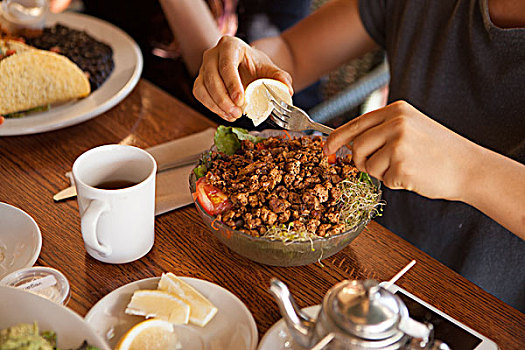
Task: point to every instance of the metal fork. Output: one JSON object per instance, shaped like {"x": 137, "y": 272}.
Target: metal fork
{"x": 292, "y": 118}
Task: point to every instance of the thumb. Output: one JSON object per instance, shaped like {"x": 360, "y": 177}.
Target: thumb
{"x": 277, "y": 73}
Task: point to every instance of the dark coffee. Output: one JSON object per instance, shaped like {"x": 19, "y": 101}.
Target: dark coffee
{"x": 115, "y": 184}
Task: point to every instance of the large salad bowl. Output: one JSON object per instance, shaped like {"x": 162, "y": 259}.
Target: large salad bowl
{"x": 276, "y": 252}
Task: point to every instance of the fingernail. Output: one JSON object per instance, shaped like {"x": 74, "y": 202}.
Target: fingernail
{"x": 235, "y": 112}
{"x": 325, "y": 150}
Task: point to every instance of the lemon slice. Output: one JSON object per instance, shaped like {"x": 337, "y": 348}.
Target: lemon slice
{"x": 154, "y": 334}
{"x": 159, "y": 304}
{"x": 201, "y": 309}
{"x": 257, "y": 104}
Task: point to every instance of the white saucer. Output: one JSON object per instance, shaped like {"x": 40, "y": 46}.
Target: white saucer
{"x": 278, "y": 338}
{"x": 233, "y": 327}
{"x": 20, "y": 239}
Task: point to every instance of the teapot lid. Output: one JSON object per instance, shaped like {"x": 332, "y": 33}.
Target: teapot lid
{"x": 364, "y": 309}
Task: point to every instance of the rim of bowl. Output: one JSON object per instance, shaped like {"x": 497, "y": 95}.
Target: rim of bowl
{"x": 38, "y": 233}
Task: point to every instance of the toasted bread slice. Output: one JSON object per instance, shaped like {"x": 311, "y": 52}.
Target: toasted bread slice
{"x": 34, "y": 78}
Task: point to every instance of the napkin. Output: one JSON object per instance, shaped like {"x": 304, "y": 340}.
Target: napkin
{"x": 172, "y": 186}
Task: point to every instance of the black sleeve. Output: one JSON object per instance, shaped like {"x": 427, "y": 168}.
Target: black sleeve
{"x": 373, "y": 16}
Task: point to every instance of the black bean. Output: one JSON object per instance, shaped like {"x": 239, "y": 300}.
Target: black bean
{"x": 89, "y": 54}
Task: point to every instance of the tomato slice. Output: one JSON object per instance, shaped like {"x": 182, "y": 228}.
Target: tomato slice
{"x": 212, "y": 200}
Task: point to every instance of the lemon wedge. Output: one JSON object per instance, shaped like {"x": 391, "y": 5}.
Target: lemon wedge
{"x": 201, "y": 309}
{"x": 257, "y": 104}
{"x": 159, "y": 304}
{"x": 154, "y": 334}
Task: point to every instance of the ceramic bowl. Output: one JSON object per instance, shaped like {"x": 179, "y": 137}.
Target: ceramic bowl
{"x": 276, "y": 252}
{"x": 19, "y": 306}
{"x": 20, "y": 239}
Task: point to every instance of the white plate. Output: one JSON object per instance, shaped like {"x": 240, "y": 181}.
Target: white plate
{"x": 19, "y": 306}
{"x": 125, "y": 75}
{"x": 20, "y": 239}
{"x": 278, "y": 338}
{"x": 233, "y": 327}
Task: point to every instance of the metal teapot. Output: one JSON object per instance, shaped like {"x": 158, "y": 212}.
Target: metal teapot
{"x": 355, "y": 315}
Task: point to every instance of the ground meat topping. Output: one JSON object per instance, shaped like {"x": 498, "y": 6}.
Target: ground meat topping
{"x": 281, "y": 181}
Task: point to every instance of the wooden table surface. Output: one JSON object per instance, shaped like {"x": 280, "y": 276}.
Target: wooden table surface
{"x": 32, "y": 170}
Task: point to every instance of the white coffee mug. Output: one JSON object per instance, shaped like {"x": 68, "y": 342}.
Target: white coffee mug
{"x": 116, "y": 198}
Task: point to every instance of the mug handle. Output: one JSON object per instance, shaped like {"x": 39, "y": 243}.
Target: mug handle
{"x": 89, "y": 226}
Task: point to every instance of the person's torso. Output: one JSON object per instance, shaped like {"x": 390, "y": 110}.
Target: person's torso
{"x": 451, "y": 62}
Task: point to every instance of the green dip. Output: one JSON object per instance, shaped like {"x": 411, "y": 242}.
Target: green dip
{"x": 24, "y": 336}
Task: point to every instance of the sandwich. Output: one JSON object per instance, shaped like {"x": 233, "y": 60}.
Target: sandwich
{"x": 9, "y": 47}
{"x": 33, "y": 79}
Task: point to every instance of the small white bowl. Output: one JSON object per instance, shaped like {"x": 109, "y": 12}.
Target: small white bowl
{"x": 20, "y": 239}
{"x": 19, "y": 306}
{"x": 44, "y": 281}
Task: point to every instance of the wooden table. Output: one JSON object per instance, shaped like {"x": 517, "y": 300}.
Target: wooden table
{"x": 32, "y": 169}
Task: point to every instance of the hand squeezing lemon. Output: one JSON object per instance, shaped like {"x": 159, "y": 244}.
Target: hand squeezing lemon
{"x": 257, "y": 102}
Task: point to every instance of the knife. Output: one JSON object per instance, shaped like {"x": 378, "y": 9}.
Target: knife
{"x": 71, "y": 191}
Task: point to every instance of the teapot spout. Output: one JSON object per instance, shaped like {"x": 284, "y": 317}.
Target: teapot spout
{"x": 300, "y": 325}
{"x": 420, "y": 332}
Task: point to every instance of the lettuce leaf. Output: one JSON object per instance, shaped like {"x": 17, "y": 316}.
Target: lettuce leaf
{"x": 200, "y": 171}
{"x": 228, "y": 139}
{"x": 243, "y": 134}
{"x": 28, "y": 111}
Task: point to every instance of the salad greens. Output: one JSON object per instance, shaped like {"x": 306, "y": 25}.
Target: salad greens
{"x": 228, "y": 139}
{"x": 200, "y": 170}
{"x": 360, "y": 201}
{"x": 27, "y": 111}
{"x": 26, "y": 336}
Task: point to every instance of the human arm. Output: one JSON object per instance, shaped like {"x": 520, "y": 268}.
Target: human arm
{"x": 313, "y": 47}
{"x": 57, "y": 6}
{"x": 194, "y": 27}
{"x": 408, "y": 150}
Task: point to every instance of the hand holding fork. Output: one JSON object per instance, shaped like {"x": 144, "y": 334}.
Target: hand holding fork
{"x": 291, "y": 117}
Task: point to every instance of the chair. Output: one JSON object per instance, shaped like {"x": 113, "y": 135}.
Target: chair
{"x": 352, "y": 96}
